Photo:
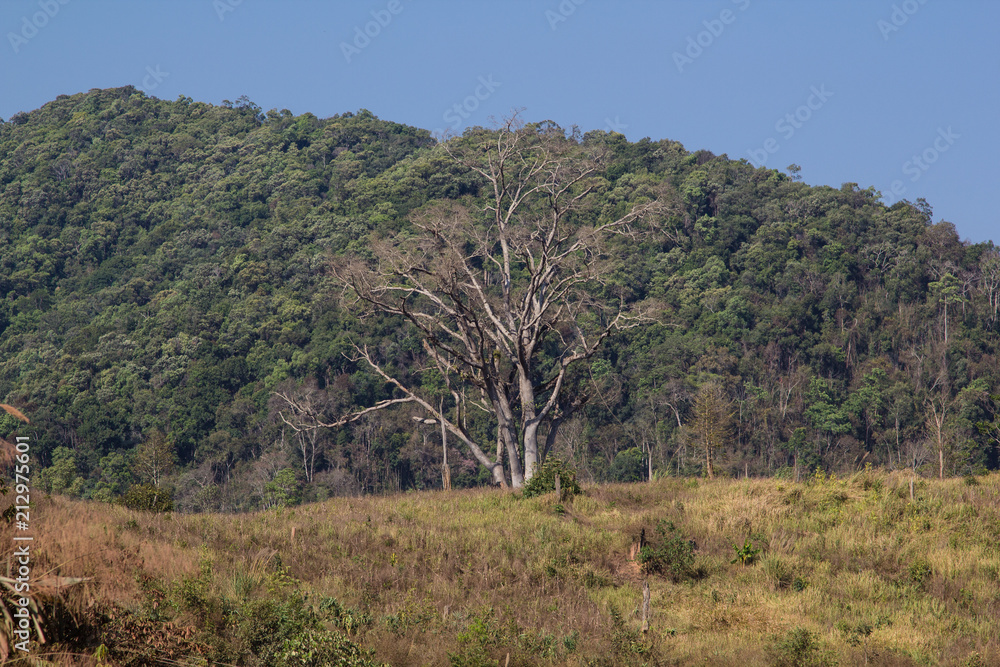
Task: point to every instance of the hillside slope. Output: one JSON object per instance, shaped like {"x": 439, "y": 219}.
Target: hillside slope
{"x": 164, "y": 269}
{"x": 833, "y": 571}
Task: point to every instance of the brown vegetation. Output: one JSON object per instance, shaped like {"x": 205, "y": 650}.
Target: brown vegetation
{"x": 851, "y": 571}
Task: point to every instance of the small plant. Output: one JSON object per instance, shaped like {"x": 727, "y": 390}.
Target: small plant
{"x": 919, "y": 572}
{"x": 671, "y": 555}
{"x": 747, "y": 554}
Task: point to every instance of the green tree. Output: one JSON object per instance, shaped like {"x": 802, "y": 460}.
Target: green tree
{"x": 283, "y": 490}
{"x": 827, "y": 416}
{"x": 945, "y": 292}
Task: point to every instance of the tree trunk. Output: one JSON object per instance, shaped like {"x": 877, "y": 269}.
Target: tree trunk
{"x": 445, "y": 470}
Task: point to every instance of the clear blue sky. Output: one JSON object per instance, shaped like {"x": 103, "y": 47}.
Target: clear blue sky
{"x": 850, "y": 90}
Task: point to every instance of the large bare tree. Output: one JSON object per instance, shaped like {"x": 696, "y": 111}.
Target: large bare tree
{"x": 502, "y": 289}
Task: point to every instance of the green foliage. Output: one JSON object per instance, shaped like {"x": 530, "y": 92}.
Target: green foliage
{"x": 746, "y": 554}
{"x": 148, "y": 497}
{"x": 800, "y": 648}
{"x": 669, "y": 554}
{"x": 486, "y": 639}
{"x": 350, "y": 620}
{"x": 283, "y": 490}
{"x": 625, "y": 641}
{"x": 62, "y": 476}
{"x": 919, "y": 572}
{"x": 629, "y": 466}
{"x": 544, "y": 479}
{"x": 286, "y": 631}
{"x": 319, "y": 648}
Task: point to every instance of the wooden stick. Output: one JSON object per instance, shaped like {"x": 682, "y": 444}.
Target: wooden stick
{"x": 645, "y": 606}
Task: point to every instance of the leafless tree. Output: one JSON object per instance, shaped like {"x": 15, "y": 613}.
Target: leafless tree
{"x": 488, "y": 287}
{"x": 304, "y": 408}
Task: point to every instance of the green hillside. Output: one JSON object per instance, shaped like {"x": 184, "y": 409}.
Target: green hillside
{"x": 165, "y": 271}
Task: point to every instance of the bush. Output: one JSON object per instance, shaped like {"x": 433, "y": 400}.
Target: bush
{"x": 799, "y": 648}
{"x": 671, "y": 555}
{"x": 148, "y": 497}
{"x": 544, "y": 479}
{"x": 319, "y": 648}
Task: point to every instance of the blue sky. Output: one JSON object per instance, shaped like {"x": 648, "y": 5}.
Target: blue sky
{"x": 901, "y": 95}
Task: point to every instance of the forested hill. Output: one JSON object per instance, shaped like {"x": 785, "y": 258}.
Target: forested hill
{"x": 164, "y": 268}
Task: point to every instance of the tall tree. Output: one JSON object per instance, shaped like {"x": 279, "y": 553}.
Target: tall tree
{"x": 713, "y": 422}
{"x": 503, "y": 294}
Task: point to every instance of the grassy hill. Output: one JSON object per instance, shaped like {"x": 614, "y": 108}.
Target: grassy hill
{"x": 834, "y": 571}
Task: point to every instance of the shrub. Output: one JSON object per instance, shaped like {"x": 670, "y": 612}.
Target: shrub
{"x": 319, "y": 648}
{"x": 626, "y": 642}
{"x": 148, "y": 497}
{"x": 544, "y": 479}
{"x": 799, "y": 648}
{"x": 670, "y": 554}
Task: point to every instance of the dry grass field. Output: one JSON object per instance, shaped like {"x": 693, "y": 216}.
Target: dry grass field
{"x": 833, "y": 571}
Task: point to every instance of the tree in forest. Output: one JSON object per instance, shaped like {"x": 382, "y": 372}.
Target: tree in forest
{"x": 944, "y": 292}
{"x": 154, "y": 458}
{"x": 713, "y": 422}
{"x": 303, "y": 408}
{"x": 503, "y": 292}
{"x": 828, "y": 415}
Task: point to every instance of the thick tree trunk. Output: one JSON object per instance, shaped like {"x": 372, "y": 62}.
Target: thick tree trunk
{"x": 530, "y": 451}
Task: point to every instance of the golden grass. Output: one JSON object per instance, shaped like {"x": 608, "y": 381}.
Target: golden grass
{"x": 836, "y": 555}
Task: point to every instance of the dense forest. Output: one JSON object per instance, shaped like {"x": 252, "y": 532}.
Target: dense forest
{"x": 166, "y": 278}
